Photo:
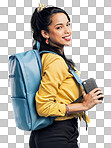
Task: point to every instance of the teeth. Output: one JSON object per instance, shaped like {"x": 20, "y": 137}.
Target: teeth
{"x": 67, "y": 37}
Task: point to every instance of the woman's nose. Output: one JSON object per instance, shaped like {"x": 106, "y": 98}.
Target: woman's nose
{"x": 66, "y": 30}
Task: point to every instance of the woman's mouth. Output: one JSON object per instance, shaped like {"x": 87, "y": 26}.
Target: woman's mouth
{"x": 67, "y": 38}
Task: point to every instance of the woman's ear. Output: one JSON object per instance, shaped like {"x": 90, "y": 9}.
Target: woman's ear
{"x": 44, "y": 34}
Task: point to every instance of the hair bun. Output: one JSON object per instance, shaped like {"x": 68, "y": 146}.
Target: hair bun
{"x": 41, "y": 7}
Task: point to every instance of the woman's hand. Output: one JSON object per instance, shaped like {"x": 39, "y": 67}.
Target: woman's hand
{"x": 91, "y": 99}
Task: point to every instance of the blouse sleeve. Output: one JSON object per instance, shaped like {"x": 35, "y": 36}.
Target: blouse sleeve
{"x": 53, "y": 73}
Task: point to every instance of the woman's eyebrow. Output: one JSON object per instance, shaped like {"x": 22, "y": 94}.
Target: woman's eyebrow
{"x": 60, "y": 23}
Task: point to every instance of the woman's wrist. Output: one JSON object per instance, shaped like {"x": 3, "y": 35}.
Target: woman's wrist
{"x": 84, "y": 106}
{"x": 67, "y": 110}
{"x": 75, "y": 107}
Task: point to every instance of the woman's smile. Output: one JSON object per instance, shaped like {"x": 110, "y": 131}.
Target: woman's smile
{"x": 67, "y": 38}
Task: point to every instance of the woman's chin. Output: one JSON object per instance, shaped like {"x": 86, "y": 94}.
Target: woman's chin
{"x": 68, "y": 44}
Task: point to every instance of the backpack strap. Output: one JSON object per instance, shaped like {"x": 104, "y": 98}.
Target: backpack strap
{"x": 75, "y": 76}
{"x": 38, "y": 45}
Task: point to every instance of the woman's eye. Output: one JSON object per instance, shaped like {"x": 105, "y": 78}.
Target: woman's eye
{"x": 59, "y": 27}
{"x": 68, "y": 24}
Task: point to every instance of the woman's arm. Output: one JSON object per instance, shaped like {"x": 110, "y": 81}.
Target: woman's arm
{"x": 73, "y": 108}
{"x": 54, "y": 71}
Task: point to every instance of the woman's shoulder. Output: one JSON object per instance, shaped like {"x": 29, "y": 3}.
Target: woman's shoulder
{"x": 50, "y": 56}
{"x": 53, "y": 59}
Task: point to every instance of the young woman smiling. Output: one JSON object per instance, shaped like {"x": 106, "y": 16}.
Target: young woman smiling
{"x": 51, "y": 27}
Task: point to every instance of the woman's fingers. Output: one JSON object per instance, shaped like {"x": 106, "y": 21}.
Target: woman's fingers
{"x": 95, "y": 90}
{"x": 91, "y": 99}
{"x": 97, "y": 93}
{"x": 100, "y": 96}
{"x": 98, "y": 101}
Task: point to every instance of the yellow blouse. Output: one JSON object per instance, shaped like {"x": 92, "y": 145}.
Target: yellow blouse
{"x": 57, "y": 88}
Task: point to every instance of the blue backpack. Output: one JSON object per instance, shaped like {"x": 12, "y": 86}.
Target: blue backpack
{"x": 25, "y": 78}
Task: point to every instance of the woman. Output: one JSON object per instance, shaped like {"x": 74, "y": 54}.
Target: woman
{"x": 51, "y": 27}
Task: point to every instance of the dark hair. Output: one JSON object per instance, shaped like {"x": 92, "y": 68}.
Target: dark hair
{"x": 40, "y": 21}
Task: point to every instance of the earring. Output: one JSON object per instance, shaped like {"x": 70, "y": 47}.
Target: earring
{"x": 47, "y": 42}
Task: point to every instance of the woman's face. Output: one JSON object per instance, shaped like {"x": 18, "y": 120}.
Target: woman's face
{"x": 60, "y": 31}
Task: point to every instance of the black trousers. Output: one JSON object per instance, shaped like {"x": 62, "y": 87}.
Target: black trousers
{"x": 60, "y": 134}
